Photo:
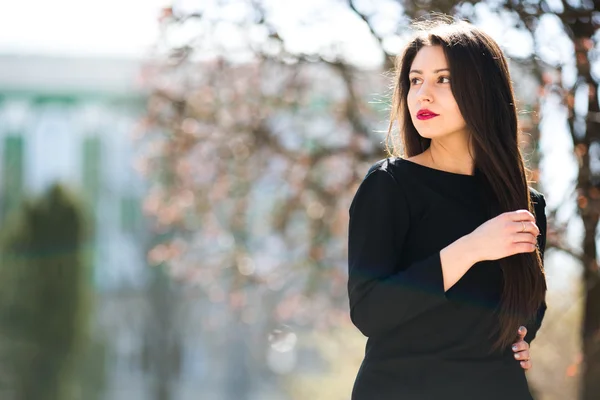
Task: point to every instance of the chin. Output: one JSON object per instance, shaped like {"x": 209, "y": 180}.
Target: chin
{"x": 428, "y": 135}
{"x": 434, "y": 134}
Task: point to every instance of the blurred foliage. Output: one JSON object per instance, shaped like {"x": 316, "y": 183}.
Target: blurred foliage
{"x": 255, "y": 142}
{"x": 44, "y": 297}
{"x": 90, "y": 379}
{"x": 255, "y": 149}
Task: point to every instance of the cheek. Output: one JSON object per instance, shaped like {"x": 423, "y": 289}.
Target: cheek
{"x": 458, "y": 114}
{"x": 410, "y": 104}
{"x": 453, "y": 107}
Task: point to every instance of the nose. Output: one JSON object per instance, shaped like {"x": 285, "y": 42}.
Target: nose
{"x": 424, "y": 93}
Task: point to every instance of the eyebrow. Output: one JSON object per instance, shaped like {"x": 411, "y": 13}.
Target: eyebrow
{"x": 417, "y": 71}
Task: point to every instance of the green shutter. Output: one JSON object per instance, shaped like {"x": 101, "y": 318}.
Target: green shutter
{"x": 130, "y": 214}
{"x": 12, "y": 173}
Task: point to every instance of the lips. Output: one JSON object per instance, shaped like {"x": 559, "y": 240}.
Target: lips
{"x": 426, "y": 114}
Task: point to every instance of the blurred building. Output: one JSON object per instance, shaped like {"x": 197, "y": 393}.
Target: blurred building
{"x": 70, "y": 120}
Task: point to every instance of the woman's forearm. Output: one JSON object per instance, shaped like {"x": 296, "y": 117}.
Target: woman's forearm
{"x": 457, "y": 258}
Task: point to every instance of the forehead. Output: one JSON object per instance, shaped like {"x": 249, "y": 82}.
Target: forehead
{"x": 429, "y": 59}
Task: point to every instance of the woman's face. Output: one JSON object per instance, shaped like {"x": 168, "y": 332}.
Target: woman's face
{"x": 433, "y": 109}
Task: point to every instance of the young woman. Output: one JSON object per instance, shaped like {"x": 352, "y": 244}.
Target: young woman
{"x": 446, "y": 243}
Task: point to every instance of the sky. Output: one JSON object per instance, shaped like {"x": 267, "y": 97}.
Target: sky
{"x": 129, "y": 27}
{"x": 79, "y": 27}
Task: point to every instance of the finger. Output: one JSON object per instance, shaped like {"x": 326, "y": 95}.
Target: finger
{"x": 522, "y": 248}
{"x": 530, "y": 227}
{"x": 526, "y": 364}
{"x": 524, "y": 238}
{"x": 522, "y": 332}
{"x": 520, "y": 346}
{"x": 522, "y": 355}
{"x": 521, "y": 215}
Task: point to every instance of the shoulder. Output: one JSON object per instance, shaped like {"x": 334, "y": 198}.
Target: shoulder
{"x": 389, "y": 172}
{"x": 379, "y": 185}
{"x": 381, "y": 165}
{"x": 379, "y": 175}
{"x": 379, "y": 192}
{"x": 391, "y": 166}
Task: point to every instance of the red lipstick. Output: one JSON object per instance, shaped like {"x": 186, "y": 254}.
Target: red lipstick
{"x": 424, "y": 114}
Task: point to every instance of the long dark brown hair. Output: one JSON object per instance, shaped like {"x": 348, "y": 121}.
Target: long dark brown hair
{"x": 481, "y": 85}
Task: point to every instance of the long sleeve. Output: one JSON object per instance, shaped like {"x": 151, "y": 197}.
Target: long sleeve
{"x": 541, "y": 221}
{"x": 383, "y": 293}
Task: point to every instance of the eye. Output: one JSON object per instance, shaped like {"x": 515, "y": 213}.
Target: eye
{"x": 414, "y": 81}
{"x": 444, "y": 79}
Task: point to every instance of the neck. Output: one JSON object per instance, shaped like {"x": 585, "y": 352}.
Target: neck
{"x": 456, "y": 159}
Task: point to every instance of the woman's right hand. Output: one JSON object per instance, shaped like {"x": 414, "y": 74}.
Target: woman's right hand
{"x": 502, "y": 236}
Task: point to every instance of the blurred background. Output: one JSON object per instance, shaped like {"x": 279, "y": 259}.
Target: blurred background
{"x": 175, "y": 179}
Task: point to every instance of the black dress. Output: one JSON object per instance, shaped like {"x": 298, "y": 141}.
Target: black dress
{"x": 424, "y": 343}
